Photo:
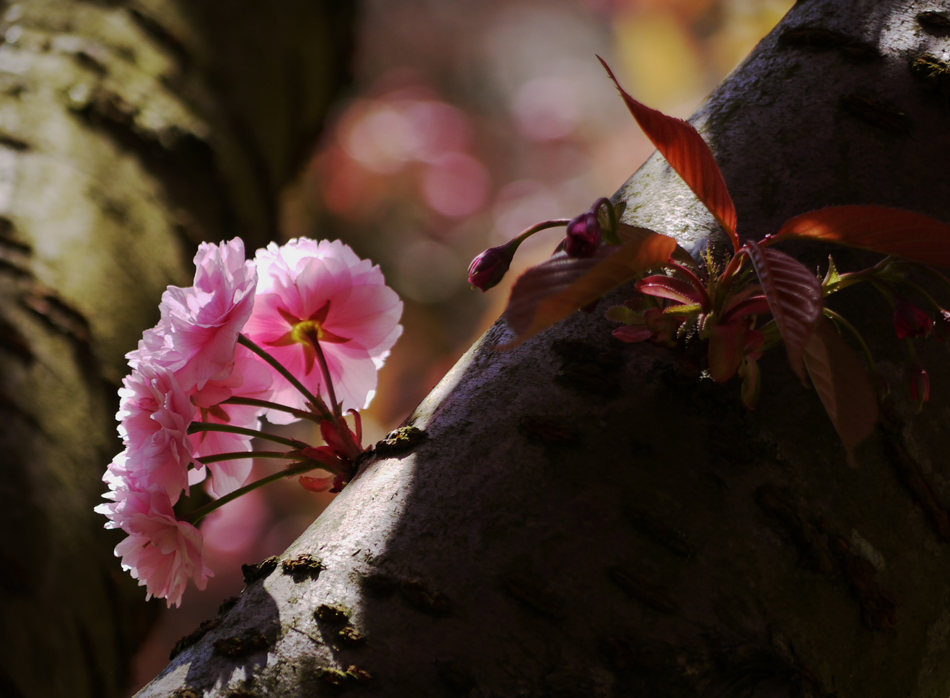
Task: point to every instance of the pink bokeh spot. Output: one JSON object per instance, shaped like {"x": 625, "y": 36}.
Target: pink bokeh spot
{"x": 456, "y": 185}
{"x": 546, "y": 109}
{"x": 234, "y": 528}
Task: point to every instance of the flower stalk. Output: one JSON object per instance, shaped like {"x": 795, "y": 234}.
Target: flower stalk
{"x": 312, "y": 399}
{"x": 201, "y": 512}
{"x": 198, "y": 427}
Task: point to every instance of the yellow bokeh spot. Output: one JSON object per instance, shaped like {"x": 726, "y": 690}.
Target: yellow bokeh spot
{"x": 744, "y": 26}
{"x": 660, "y": 57}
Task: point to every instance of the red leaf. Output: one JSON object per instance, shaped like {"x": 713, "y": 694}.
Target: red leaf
{"x": 842, "y": 384}
{"x": 554, "y": 289}
{"x": 881, "y": 229}
{"x": 674, "y": 289}
{"x": 725, "y": 350}
{"x": 632, "y": 334}
{"x": 629, "y": 233}
{"x": 686, "y": 151}
{"x": 756, "y": 305}
{"x": 794, "y": 296}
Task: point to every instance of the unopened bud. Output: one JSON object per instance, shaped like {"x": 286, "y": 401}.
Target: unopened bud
{"x": 583, "y": 235}
{"x": 911, "y": 321}
{"x": 490, "y": 267}
{"x": 920, "y": 385}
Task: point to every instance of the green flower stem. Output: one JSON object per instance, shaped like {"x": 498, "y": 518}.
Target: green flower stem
{"x": 289, "y": 471}
{"x": 299, "y": 414}
{"x": 930, "y": 270}
{"x": 353, "y": 448}
{"x": 865, "y": 349}
{"x": 886, "y": 262}
{"x": 719, "y": 284}
{"x": 933, "y": 304}
{"x": 610, "y": 230}
{"x": 313, "y": 399}
{"x": 773, "y": 336}
{"x": 208, "y": 426}
{"x": 237, "y": 455}
{"x": 325, "y": 370}
{"x": 845, "y": 280}
{"x": 611, "y": 214}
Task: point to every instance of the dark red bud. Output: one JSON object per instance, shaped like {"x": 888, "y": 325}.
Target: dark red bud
{"x": 920, "y": 385}
{"x": 911, "y": 321}
{"x": 490, "y": 267}
{"x": 583, "y": 235}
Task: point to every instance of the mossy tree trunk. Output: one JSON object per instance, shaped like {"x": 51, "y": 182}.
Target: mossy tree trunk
{"x": 586, "y": 518}
{"x": 129, "y": 132}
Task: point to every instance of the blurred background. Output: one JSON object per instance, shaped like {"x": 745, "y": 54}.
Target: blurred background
{"x": 467, "y": 122}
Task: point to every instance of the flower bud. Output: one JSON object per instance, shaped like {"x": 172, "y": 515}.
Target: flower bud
{"x": 911, "y": 321}
{"x": 488, "y": 268}
{"x": 583, "y": 235}
{"x": 920, "y": 385}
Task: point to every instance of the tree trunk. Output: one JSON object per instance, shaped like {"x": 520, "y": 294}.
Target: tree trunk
{"x": 129, "y": 132}
{"x": 586, "y": 518}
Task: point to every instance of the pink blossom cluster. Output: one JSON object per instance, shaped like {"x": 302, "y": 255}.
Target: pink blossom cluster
{"x": 190, "y": 364}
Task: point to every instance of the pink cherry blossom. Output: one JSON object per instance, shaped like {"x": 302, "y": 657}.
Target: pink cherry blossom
{"x": 322, "y": 291}
{"x": 197, "y": 334}
{"x": 154, "y": 414}
{"x": 161, "y": 552}
{"x": 250, "y": 378}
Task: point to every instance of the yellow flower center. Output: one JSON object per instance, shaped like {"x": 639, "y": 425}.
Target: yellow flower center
{"x": 306, "y": 331}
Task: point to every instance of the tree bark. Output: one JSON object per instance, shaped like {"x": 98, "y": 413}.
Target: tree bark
{"x": 129, "y": 132}
{"x": 585, "y": 518}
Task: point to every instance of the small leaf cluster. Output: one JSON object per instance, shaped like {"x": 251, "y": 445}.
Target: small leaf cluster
{"x": 757, "y": 298}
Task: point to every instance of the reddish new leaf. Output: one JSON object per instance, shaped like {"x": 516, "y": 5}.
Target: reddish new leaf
{"x": 629, "y": 233}
{"x": 686, "y": 151}
{"x": 794, "y": 296}
{"x": 317, "y": 484}
{"x": 554, "y": 289}
{"x": 673, "y": 289}
{"x": 725, "y": 351}
{"x": 841, "y": 382}
{"x": 631, "y": 335}
{"x": 881, "y": 229}
{"x": 756, "y": 305}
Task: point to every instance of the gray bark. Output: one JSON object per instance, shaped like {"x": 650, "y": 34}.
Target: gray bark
{"x": 586, "y": 518}
{"x": 129, "y": 132}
